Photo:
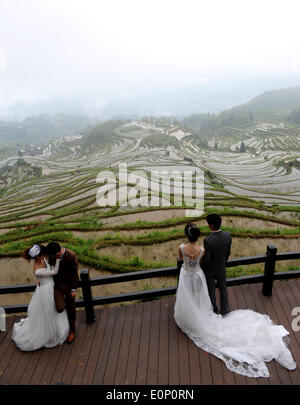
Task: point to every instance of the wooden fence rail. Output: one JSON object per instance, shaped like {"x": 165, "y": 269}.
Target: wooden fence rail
{"x": 270, "y": 259}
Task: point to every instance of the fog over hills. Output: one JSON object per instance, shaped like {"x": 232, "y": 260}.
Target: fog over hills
{"x": 195, "y": 95}
{"x": 106, "y": 59}
{"x": 281, "y": 104}
{"x": 279, "y": 99}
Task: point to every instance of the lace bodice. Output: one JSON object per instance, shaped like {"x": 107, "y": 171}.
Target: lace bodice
{"x": 191, "y": 264}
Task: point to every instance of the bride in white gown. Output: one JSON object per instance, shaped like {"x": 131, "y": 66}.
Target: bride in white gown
{"x": 44, "y": 326}
{"x": 243, "y": 339}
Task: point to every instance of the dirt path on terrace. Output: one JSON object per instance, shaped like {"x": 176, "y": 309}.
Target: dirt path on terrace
{"x": 167, "y": 251}
{"x": 152, "y": 216}
{"x": 230, "y": 221}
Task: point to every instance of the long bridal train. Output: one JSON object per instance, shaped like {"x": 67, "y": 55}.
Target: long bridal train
{"x": 244, "y": 339}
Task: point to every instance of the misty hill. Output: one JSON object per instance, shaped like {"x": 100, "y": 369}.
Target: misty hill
{"x": 206, "y": 130}
{"x": 160, "y": 140}
{"x": 274, "y": 100}
{"x": 74, "y": 136}
{"x": 101, "y": 136}
{"x": 277, "y": 107}
{"x": 40, "y": 129}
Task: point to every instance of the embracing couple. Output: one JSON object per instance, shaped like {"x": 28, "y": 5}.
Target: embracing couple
{"x": 243, "y": 339}
{"x": 52, "y": 309}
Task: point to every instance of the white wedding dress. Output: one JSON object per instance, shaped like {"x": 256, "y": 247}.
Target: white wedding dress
{"x": 44, "y": 326}
{"x": 243, "y": 339}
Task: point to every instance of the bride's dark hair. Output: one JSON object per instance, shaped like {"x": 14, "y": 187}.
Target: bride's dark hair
{"x": 192, "y": 232}
{"x": 27, "y": 256}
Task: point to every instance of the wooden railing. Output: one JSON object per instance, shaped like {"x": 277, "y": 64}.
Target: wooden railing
{"x": 86, "y": 284}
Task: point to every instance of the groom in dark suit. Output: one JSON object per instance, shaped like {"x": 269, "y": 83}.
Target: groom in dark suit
{"x": 217, "y": 247}
{"x": 65, "y": 282}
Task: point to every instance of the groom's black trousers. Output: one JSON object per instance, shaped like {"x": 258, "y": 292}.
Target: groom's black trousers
{"x": 220, "y": 277}
{"x": 63, "y": 299}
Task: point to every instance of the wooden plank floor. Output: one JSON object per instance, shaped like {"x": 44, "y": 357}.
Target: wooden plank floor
{"x": 141, "y": 344}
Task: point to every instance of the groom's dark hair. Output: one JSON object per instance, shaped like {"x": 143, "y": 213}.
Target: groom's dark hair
{"x": 53, "y": 248}
{"x": 215, "y": 220}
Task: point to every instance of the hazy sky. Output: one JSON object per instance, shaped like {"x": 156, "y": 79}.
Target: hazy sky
{"x": 114, "y": 49}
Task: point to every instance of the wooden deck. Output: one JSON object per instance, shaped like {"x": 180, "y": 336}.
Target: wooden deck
{"x": 140, "y": 344}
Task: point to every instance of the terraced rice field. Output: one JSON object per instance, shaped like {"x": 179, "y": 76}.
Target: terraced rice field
{"x": 257, "y": 198}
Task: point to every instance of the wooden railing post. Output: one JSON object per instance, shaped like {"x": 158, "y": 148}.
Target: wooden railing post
{"x": 87, "y": 295}
{"x": 269, "y": 270}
